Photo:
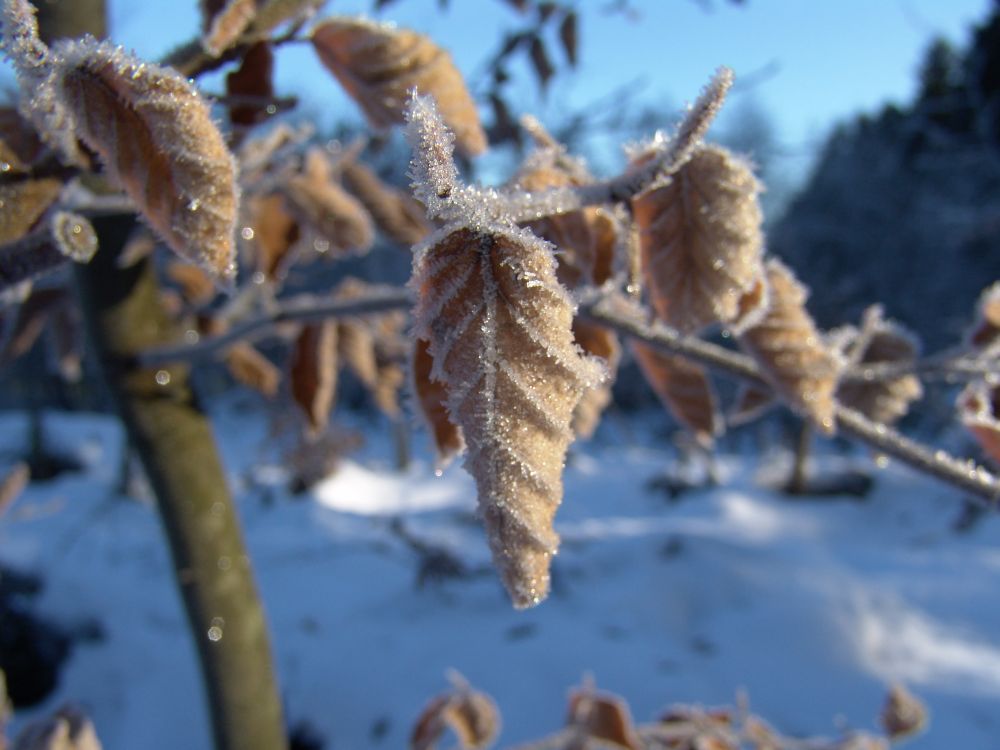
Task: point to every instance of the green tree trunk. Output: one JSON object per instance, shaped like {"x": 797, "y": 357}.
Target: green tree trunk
{"x": 173, "y": 439}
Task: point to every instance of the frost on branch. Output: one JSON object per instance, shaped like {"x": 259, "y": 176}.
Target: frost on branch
{"x": 379, "y": 64}
{"x": 498, "y": 327}
{"x": 701, "y": 240}
{"x": 792, "y": 355}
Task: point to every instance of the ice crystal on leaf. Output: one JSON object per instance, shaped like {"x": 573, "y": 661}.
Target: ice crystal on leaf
{"x": 151, "y": 128}
{"x": 499, "y": 331}
{"x": 498, "y": 327}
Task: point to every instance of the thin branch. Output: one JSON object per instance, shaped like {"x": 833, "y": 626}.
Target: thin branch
{"x": 65, "y": 237}
{"x": 948, "y": 365}
{"x": 627, "y": 318}
{"x": 301, "y": 309}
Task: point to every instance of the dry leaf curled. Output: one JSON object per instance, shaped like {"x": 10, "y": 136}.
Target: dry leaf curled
{"x": 314, "y": 373}
{"x": 683, "y": 388}
{"x": 498, "y": 326}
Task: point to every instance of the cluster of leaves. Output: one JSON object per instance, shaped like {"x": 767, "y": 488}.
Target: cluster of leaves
{"x": 597, "y": 720}
{"x": 519, "y": 290}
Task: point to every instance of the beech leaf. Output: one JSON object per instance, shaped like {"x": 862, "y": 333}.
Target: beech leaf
{"x": 683, "y": 388}
{"x": 792, "y": 355}
{"x": 472, "y": 716}
{"x": 431, "y": 397}
{"x": 701, "y": 240}
{"x": 979, "y": 409}
{"x": 313, "y": 367}
{"x": 157, "y": 139}
{"x": 379, "y": 64}
{"x": 498, "y": 326}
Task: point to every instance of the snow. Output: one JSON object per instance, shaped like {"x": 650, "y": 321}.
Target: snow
{"x": 812, "y": 607}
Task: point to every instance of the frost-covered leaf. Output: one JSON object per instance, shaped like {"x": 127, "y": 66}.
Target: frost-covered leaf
{"x": 499, "y": 329}
{"x": 431, "y": 396}
{"x": 22, "y": 205}
{"x": 313, "y": 372}
{"x": 683, "y": 388}
{"x": 601, "y": 342}
{"x": 471, "y": 716}
{"x": 331, "y": 212}
{"x": 157, "y": 139}
{"x": 903, "y": 715}
{"x": 379, "y": 64}
{"x": 986, "y": 330}
{"x": 701, "y": 239}
{"x": 883, "y": 401}
{"x": 578, "y": 235}
{"x": 396, "y": 214}
{"x": 979, "y": 409}
{"x": 792, "y": 355}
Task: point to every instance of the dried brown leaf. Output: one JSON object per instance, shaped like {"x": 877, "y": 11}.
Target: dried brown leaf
{"x": 67, "y": 729}
{"x": 752, "y": 401}
{"x": 388, "y": 384}
{"x": 903, "y": 715}
{"x": 313, "y": 373}
{"x": 65, "y": 329}
{"x": 329, "y": 210}
{"x": 986, "y": 330}
{"x": 431, "y": 396}
{"x": 22, "y": 205}
{"x": 603, "y": 716}
{"x": 683, "y": 388}
{"x": 252, "y": 80}
{"x": 12, "y": 484}
{"x": 379, "y": 64}
{"x": 472, "y": 716}
{"x": 397, "y": 215}
{"x": 540, "y": 62}
{"x": 20, "y": 146}
{"x": 31, "y": 319}
{"x": 356, "y": 350}
{"x": 585, "y": 238}
{"x": 157, "y": 139}
{"x": 569, "y": 36}
{"x": 979, "y": 410}
{"x": 791, "y": 353}
{"x": 600, "y": 342}
{"x": 884, "y": 401}
{"x": 251, "y": 368}
{"x": 701, "y": 240}
{"x": 226, "y": 24}
{"x": 499, "y": 328}
{"x": 196, "y": 286}
{"x": 275, "y": 231}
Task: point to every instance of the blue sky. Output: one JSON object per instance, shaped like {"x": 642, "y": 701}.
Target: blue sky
{"x": 808, "y": 63}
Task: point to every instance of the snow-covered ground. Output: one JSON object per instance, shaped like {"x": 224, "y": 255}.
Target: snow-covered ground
{"x": 812, "y": 607}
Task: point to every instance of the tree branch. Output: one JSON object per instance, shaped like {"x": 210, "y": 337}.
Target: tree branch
{"x": 627, "y": 318}
{"x": 301, "y": 309}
